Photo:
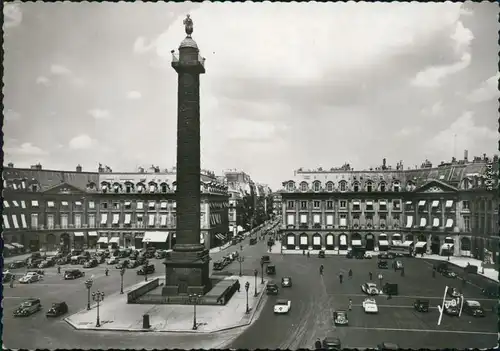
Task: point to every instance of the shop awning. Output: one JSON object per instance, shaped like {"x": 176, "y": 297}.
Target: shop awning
{"x": 435, "y": 222}
{"x": 116, "y": 218}
{"x": 447, "y": 246}
{"x": 14, "y": 221}
{"x": 104, "y": 218}
{"x": 78, "y": 203}
{"x": 78, "y": 233}
{"x": 355, "y": 203}
{"x": 409, "y": 221}
{"x": 421, "y": 203}
{"x": 92, "y": 234}
{"x": 163, "y": 205}
{"x": 408, "y": 202}
{"x": 423, "y": 222}
{"x": 383, "y": 243}
{"x": 8, "y": 246}
{"x": 382, "y": 203}
{"x": 6, "y": 224}
{"x": 103, "y": 240}
{"x": 128, "y": 217}
{"x": 34, "y": 203}
{"x": 114, "y": 240}
{"x": 155, "y": 237}
{"x": 449, "y": 203}
{"x": 127, "y": 203}
{"x": 421, "y": 244}
{"x": 369, "y": 203}
{"x": 435, "y": 203}
{"x": 163, "y": 220}
{"x": 396, "y": 236}
{"x": 356, "y": 242}
{"x": 407, "y": 243}
{"x": 19, "y": 246}
{"x": 64, "y": 203}
{"x": 449, "y": 223}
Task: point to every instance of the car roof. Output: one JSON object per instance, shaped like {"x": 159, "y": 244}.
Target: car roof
{"x": 286, "y": 278}
{"x": 281, "y": 301}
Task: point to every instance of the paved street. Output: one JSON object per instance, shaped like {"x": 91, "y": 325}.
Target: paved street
{"x": 314, "y": 298}
{"x": 55, "y": 333}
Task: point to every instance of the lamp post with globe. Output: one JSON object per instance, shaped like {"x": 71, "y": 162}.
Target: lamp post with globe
{"x": 88, "y": 284}
{"x": 98, "y": 297}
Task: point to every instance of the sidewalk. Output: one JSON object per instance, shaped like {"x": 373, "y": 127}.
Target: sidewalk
{"x": 117, "y": 315}
{"x": 277, "y": 249}
{"x": 220, "y": 248}
{"x": 490, "y": 273}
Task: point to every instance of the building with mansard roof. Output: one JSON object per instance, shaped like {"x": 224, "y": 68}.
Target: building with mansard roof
{"x": 448, "y": 209}
{"x": 48, "y": 209}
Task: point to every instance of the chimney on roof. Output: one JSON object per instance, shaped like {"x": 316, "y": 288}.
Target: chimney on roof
{"x": 38, "y": 167}
{"x": 10, "y": 165}
{"x": 384, "y": 163}
{"x": 466, "y": 155}
{"x": 79, "y": 168}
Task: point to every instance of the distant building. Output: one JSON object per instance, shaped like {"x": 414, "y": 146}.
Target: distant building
{"x": 449, "y": 208}
{"x": 48, "y": 209}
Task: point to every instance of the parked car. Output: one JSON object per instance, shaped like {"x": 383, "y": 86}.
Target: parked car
{"x": 62, "y": 261}
{"x": 331, "y": 343}
{"x": 90, "y": 264}
{"x": 37, "y": 271}
{"x": 271, "y": 270}
{"x": 272, "y": 289}
{"x": 397, "y": 265}
{"x": 265, "y": 259}
{"x": 368, "y": 255}
{"x": 149, "y": 269}
{"x": 370, "y": 305}
{"x": 219, "y": 266}
{"x": 382, "y": 264}
{"x": 286, "y": 282}
{"x": 149, "y": 254}
{"x": 133, "y": 264}
{"x": 321, "y": 254}
{"x": 340, "y": 317}
{"x": 73, "y": 274}
{"x": 100, "y": 259}
{"x": 349, "y": 254}
{"x": 28, "y": 307}
{"x": 383, "y": 256}
{"x": 17, "y": 264}
{"x": 57, "y": 309}
{"x": 7, "y": 277}
{"x": 388, "y": 346}
{"x": 34, "y": 263}
{"x": 161, "y": 254}
{"x": 30, "y": 277}
{"x": 282, "y": 306}
{"x": 473, "y": 308}
{"x": 370, "y": 288}
{"x": 421, "y": 305}
{"x": 451, "y": 308}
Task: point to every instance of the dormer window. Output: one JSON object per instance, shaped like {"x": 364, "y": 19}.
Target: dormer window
{"x": 466, "y": 184}
{"x": 317, "y": 186}
{"x": 303, "y": 186}
{"x": 396, "y": 187}
{"x": 104, "y": 187}
{"x": 329, "y": 187}
{"x": 290, "y": 186}
{"x": 152, "y": 187}
{"x": 356, "y": 187}
{"x": 129, "y": 187}
{"x": 369, "y": 187}
{"x": 91, "y": 186}
{"x": 117, "y": 187}
{"x": 343, "y": 185}
{"x": 164, "y": 188}
{"x": 34, "y": 188}
{"x": 382, "y": 187}
{"x": 140, "y": 188}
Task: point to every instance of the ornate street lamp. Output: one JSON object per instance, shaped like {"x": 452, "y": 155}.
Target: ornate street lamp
{"x": 88, "y": 284}
{"x": 98, "y": 297}
{"x": 255, "y": 275}
{"x": 194, "y": 299}
{"x": 240, "y": 259}
{"x": 262, "y": 271}
{"x": 247, "y": 286}
{"x": 122, "y": 273}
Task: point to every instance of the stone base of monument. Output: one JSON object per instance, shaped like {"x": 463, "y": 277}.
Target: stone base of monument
{"x": 187, "y": 273}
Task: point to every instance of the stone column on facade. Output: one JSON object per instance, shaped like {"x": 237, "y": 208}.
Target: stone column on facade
{"x": 457, "y": 250}
{"x": 429, "y": 243}
{"x": 297, "y": 225}
{"x": 323, "y": 225}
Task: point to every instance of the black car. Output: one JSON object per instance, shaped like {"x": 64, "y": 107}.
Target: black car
{"x": 91, "y": 263}
{"x": 73, "y": 274}
{"x": 491, "y": 291}
{"x": 149, "y": 269}
{"x": 17, "y": 264}
{"x": 28, "y": 307}
{"x": 473, "y": 308}
{"x": 286, "y": 282}
{"x": 451, "y": 310}
{"x": 332, "y": 343}
{"x": 383, "y": 256}
{"x": 218, "y": 266}
{"x": 421, "y": 305}
{"x": 133, "y": 264}
{"x": 272, "y": 289}
{"x": 442, "y": 266}
{"x": 388, "y": 346}
{"x": 57, "y": 309}
{"x": 321, "y": 254}
{"x": 265, "y": 259}
{"x": 7, "y": 277}
{"x": 449, "y": 274}
{"x": 383, "y": 264}
{"x": 340, "y": 317}
{"x": 349, "y": 254}
{"x": 271, "y": 270}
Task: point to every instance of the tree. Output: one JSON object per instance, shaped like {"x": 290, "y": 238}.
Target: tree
{"x": 245, "y": 212}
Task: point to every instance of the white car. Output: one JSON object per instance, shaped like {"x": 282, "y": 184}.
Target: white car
{"x": 370, "y": 288}
{"x": 368, "y": 255}
{"x": 282, "y": 306}
{"x": 370, "y": 306}
{"x": 113, "y": 260}
{"x": 30, "y": 277}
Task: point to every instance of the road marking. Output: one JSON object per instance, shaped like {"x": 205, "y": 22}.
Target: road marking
{"x": 409, "y": 297}
{"x": 14, "y": 297}
{"x": 391, "y": 306}
{"x": 427, "y": 330}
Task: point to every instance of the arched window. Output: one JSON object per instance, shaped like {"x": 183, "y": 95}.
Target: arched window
{"x": 290, "y": 186}
{"x": 164, "y": 187}
{"x": 396, "y": 187}
{"x": 369, "y": 187}
{"x": 356, "y": 187}
{"x": 140, "y": 187}
{"x": 117, "y": 187}
{"x": 343, "y": 185}
{"x": 382, "y": 187}
{"x": 129, "y": 187}
{"x": 152, "y": 187}
{"x": 303, "y": 186}
{"x": 317, "y": 186}
{"x": 329, "y": 187}
{"x": 104, "y": 187}
{"x": 409, "y": 185}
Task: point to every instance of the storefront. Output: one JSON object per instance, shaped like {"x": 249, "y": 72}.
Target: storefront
{"x": 290, "y": 241}
{"x": 158, "y": 240}
{"x": 114, "y": 242}
{"x": 102, "y": 243}
{"x": 138, "y": 240}
{"x": 316, "y": 245}
{"x": 92, "y": 240}
{"x": 78, "y": 240}
{"x": 421, "y": 247}
{"x": 304, "y": 241}
{"x": 343, "y": 245}
{"x": 330, "y": 242}
{"x": 383, "y": 243}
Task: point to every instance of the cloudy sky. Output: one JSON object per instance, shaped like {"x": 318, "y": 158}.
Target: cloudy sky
{"x": 287, "y": 85}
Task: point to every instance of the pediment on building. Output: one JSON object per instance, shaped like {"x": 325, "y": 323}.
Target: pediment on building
{"x": 435, "y": 186}
{"x": 64, "y": 188}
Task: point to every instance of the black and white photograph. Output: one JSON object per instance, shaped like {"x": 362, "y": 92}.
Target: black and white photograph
{"x": 201, "y": 175}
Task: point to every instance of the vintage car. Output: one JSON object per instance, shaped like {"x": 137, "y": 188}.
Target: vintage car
{"x": 90, "y": 263}
{"x": 331, "y": 343}
{"x": 382, "y": 264}
{"x": 28, "y": 307}
{"x": 73, "y": 274}
{"x": 57, "y": 309}
{"x": 133, "y": 264}
{"x": 451, "y": 310}
{"x": 383, "y": 256}
{"x": 30, "y": 277}
{"x": 271, "y": 270}
{"x": 149, "y": 269}
{"x": 113, "y": 260}
{"x": 161, "y": 254}
{"x": 34, "y": 263}
{"x": 448, "y": 274}
{"x": 62, "y": 261}
{"x": 367, "y": 255}
{"x": 388, "y": 346}
{"x": 265, "y": 259}
{"x": 349, "y": 254}
{"x": 370, "y": 288}
{"x": 286, "y": 282}
{"x": 17, "y": 264}
{"x": 397, "y": 265}
{"x": 453, "y": 292}
{"x": 282, "y": 306}
{"x": 219, "y": 265}
{"x": 321, "y": 254}
{"x": 340, "y": 317}
{"x": 473, "y": 308}
{"x": 370, "y": 305}
{"x": 421, "y": 305}
{"x": 272, "y": 289}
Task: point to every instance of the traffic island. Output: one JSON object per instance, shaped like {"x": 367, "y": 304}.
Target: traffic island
{"x": 116, "y": 315}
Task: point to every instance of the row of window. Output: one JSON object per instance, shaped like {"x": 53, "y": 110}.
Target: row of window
{"x": 356, "y": 204}
{"x": 15, "y": 221}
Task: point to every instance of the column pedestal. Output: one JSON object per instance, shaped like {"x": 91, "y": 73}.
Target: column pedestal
{"x": 187, "y": 273}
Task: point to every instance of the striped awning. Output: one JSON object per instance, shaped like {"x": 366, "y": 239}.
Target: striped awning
{"x": 421, "y": 244}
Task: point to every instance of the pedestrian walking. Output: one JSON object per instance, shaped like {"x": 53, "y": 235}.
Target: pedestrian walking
{"x": 371, "y": 275}
{"x": 350, "y": 305}
{"x": 58, "y": 269}
{"x": 341, "y": 278}
{"x": 12, "y": 281}
{"x": 350, "y": 273}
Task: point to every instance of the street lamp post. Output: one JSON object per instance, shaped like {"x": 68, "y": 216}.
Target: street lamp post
{"x": 448, "y": 251}
{"x": 88, "y": 285}
{"x": 240, "y": 259}
{"x": 247, "y": 286}
{"x": 146, "y": 264}
{"x": 122, "y": 273}
{"x": 194, "y": 298}
{"x": 262, "y": 271}
{"x": 255, "y": 276}
{"x": 98, "y": 297}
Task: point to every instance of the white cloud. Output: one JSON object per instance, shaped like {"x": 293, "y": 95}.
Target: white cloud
{"x": 11, "y": 115}
{"x": 13, "y": 16}
{"x": 250, "y": 130}
{"x": 134, "y": 95}
{"x": 81, "y": 142}
{"x": 26, "y": 149}
{"x": 432, "y": 76}
{"x": 466, "y": 12}
{"x": 140, "y": 45}
{"x": 408, "y": 131}
{"x": 60, "y": 70}
{"x": 487, "y": 91}
{"x": 43, "y": 81}
{"x": 435, "y": 110}
{"x": 99, "y": 113}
